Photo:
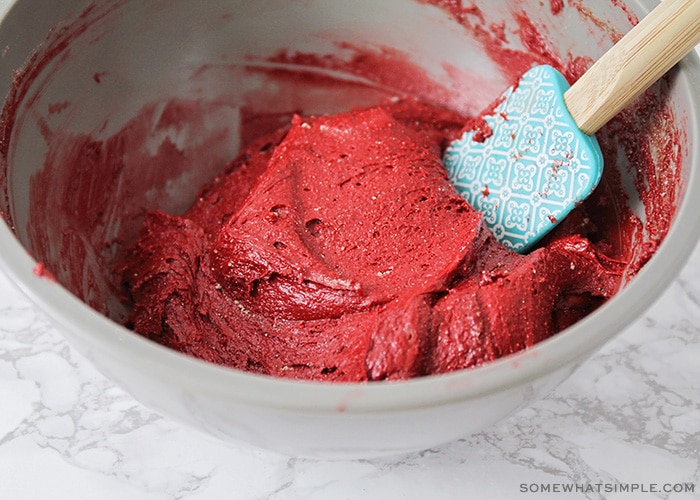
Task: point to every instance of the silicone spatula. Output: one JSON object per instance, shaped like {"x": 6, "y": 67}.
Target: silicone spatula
{"x": 534, "y": 156}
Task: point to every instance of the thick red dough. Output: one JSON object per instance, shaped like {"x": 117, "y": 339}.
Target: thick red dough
{"x": 339, "y": 251}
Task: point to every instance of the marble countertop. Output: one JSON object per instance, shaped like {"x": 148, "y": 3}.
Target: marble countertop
{"x": 625, "y": 425}
{"x": 628, "y": 418}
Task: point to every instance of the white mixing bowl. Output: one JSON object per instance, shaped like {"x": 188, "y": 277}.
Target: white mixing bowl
{"x": 94, "y": 68}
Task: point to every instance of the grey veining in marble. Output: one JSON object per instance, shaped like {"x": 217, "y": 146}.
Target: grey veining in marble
{"x": 630, "y": 415}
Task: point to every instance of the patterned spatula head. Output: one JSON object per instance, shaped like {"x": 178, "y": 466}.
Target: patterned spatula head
{"x": 530, "y": 165}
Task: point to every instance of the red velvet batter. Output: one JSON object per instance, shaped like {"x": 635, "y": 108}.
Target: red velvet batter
{"x": 339, "y": 251}
{"x": 334, "y": 248}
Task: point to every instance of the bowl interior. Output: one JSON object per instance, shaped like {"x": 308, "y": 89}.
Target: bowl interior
{"x": 132, "y": 106}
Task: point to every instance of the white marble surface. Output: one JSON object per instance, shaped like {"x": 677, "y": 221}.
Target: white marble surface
{"x": 630, "y": 415}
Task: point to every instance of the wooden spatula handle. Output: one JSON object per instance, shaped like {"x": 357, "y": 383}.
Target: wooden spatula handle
{"x": 639, "y": 59}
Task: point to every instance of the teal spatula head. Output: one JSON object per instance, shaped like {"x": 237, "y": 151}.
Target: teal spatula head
{"x": 529, "y": 165}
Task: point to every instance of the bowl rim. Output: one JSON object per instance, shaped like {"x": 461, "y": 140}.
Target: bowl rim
{"x": 570, "y": 347}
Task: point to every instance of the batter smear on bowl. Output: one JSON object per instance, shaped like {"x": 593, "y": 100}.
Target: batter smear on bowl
{"x": 338, "y": 250}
